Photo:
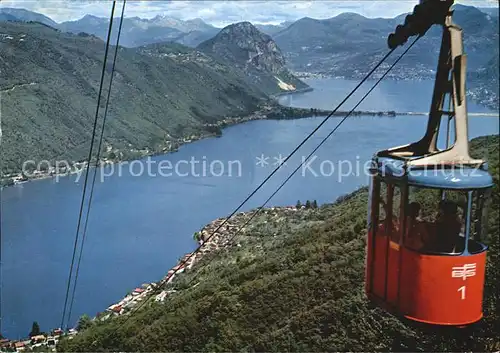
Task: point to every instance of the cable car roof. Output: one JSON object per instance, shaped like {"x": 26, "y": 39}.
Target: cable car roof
{"x": 452, "y": 178}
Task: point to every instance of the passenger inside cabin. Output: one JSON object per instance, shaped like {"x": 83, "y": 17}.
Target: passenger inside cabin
{"x": 384, "y": 222}
{"x": 416, "y": 232}
{"x": 447, "y": 236}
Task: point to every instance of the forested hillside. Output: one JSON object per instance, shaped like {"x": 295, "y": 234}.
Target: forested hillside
{"x": 295, "y": 283}
{"x": 49, "y": 84}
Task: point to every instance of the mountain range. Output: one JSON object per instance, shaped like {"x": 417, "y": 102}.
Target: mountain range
{"x": 349, "y": 44}
{"x": 344, "y": 45}
{"x": 138, "y": 32}
{"x": 273, "y": 29}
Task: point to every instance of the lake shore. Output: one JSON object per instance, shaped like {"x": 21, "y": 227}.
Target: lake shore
{"x": 278, "y": 112}
{"x": 269, "y": 112}
{"x": 304, "y": 90}
{"x": 215, "y": 236}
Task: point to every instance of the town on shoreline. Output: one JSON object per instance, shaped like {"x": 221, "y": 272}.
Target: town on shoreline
{"x": 268, "y": 112}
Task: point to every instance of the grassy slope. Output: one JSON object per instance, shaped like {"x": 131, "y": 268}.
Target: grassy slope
{"x": 295, "y": 284}
{"x": 152, "y": 97}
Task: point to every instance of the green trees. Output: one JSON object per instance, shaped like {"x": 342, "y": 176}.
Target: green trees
{"x": 213, "y": 129}
{"x": 308, "y": 204}
{"x": 35, "y": 329}
{"x": 84, "y": 323}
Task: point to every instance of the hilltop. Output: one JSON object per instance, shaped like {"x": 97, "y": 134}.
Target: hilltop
{"x": 293, "y": 281}
{"x": 256, "y": 53}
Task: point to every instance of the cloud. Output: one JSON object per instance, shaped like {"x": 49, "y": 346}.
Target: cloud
{"x": 222, "y": 13}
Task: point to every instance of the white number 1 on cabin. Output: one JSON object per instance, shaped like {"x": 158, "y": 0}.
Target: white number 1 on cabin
{"x": 463, "y": 291}
{"x": 465, "y": 271}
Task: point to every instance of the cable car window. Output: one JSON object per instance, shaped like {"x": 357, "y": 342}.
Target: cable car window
{"x": 389, "y": 204}
{"x": 479, "y": 220}
{"x": 480, "y": 206}
{"x": 382, "y": 203}
{"x": 426, "y": 199}
{"x": 371, "y": 201}
{"x": 436, "y": 220}
{"x": 420, "y": 215}
{"x": 395, "y": 214}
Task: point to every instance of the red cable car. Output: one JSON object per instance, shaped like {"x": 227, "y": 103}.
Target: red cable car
{"x": 427, "y": 212}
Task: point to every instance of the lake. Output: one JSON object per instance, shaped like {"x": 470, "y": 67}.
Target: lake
{"x": 141, "y": 223}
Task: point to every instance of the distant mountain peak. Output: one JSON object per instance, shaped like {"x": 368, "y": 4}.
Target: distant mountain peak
{"x": 239, "y": 32}
{"x": 244, "y": 28}
{"x": 185, "y": 26}
{"x": 306, "y": 20}
{"x": 465, "y": 8}
{"x": 89, "y": 16}
{"x": 462, "y": 7}
{"x": 242, "y": 24}
{"x": 198, "y": 21}
{"x": 92, "y": 20}
{"x": 165, "y": 17}
{"x": 244, "y": 46}
{"x": 349, "y": 16}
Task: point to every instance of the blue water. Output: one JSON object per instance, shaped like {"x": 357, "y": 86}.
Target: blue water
{"x": 140, "y": 226}
{"x": 400, "y": 96}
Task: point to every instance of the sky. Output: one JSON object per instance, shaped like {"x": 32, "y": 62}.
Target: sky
{"x": 221, "y": 13}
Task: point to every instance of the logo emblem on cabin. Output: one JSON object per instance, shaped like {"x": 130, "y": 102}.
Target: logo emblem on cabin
{"x": 467, "y": 270}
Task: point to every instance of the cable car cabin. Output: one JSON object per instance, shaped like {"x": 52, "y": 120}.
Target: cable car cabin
{"x": 427, "y": 206}
{"x": 425, "y": 258}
